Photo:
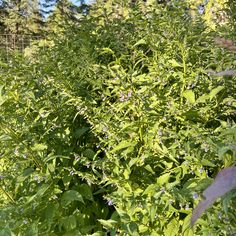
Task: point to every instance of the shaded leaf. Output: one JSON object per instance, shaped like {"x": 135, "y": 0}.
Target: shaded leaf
{"x": 71, "y": 196}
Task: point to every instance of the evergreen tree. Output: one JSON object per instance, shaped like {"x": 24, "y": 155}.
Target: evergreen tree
{"x": 64, "y": 13}
{"x": 3, "y": 15}
{"x": 23, "y": 17}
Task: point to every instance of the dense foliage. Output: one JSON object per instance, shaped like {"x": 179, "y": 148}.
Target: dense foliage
{"x": 118, "y": 128}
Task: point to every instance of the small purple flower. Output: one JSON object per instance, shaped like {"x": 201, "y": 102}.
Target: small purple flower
{"x": 16, "y": 152}
{"x": 195, "y": 196}
{"x": 171, "y": 201}
{"x": 109, "y": 202}
{"x": 25, "y": 222}
{"x": 201, "y": 170}
{"x": 206, "y": 149}
{"x": 163, "y": 190}
{"x": 159, "y": 132}
{"x": 201, "y": 9}
{"x": 122, "y": 97}
{"x": 220, "y": 215}
{"x": 1, "y": 177}
{"x": 88, "y": 165}
{"x": 104, "y": 129}
{"x": 129, "y": 94}
{"x": 36, "y": 178}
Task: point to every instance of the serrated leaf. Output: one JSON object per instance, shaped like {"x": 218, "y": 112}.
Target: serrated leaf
{"x": 223, "y": 183}
{"x": 190, "y": 96}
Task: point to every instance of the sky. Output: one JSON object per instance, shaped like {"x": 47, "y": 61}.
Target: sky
{"x": 77, "y": 2}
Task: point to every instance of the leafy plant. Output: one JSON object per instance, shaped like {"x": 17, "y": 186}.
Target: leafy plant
{"x": 118, "y": 128}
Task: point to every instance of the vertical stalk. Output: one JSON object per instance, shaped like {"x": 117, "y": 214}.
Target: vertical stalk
{"x": 184, "y": 57}
{"x": 8, "y": 195}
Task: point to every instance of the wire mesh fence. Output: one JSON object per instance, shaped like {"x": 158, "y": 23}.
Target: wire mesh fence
{"x": 16, "y": 43}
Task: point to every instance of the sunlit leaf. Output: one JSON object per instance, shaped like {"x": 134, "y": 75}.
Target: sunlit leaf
{"x": 190, "y": 96}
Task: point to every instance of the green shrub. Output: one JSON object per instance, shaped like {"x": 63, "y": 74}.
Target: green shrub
{"x": 117, "y": 130}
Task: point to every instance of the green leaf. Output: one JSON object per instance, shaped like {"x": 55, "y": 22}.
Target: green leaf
{"x": 203, "y": 98}
{"x": 143, "y": 228}
{"x": 190, "y": 96}
{"x": 89, "y": 153}
{"x": 6, "y": 232}
{"x": 80, "y": 132}
{"x": 150, "y": 190}
{"x": 140, "y": 42}
{"x": 32, "y": 230}
{"x": 172, "y": 228}
{"x": 108, "y": 223}
{"x": 39, "y": 147}
{"x": 71, "y": 196}
{"x": 153, "y": 212}
{"x": 86, "y": 191}
{"x": 98, "y": 233}
{"x": 122, "y": 145}
{"x": 2, "y": 100}
{"x": 40, "y": 192}
{"x": 149, "y": 168}
{"x": 215, "y": 91}
{"x": 205, "y": 162}
{"x": 163, "y": 179}
{"x": 174, "y": 63}
{"x": 49, "y": 158}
